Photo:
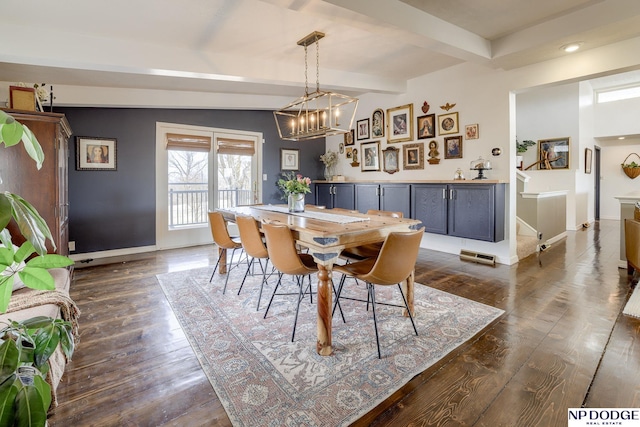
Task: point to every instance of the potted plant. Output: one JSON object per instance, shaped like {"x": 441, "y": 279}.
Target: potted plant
{"x": 25, "y": 347}
{"x": 631, "y": 169}
{"x": 294, "y": 186}
{"x": 521, "y": 148}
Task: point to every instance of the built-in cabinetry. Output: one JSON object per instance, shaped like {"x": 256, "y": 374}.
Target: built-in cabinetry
{"x": 387, "y": 197}
{"x": 335, "y": 195}
{"x": 45, "y": 189}
{"x": 472, "y": 211}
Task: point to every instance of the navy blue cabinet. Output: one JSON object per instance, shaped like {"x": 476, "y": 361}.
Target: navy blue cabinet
{"x": 335, "y": 195}
{"x": 387, "y": 197}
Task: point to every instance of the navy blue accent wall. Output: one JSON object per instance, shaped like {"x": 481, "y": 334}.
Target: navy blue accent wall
{"x": 116, "y": 209}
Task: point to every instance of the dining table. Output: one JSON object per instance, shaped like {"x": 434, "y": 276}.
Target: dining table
{"x": 326, "y": 233}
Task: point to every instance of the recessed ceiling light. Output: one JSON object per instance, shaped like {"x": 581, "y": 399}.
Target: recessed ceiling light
{"x": 571, "y": 47}
{"x": 621, "y": 137}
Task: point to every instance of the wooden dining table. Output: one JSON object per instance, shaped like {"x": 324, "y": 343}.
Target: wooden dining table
{"x": 326, "y": 232}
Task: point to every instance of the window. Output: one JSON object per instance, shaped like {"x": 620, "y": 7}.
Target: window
{"x": 617, "y": 94}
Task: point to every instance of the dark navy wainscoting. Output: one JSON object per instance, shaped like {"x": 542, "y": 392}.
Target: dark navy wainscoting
{"x": 116, "y": 209}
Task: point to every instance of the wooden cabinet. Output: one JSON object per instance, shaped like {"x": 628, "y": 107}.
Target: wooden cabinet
{"x": 472, "y": 211}
{"x": 45, "y": 189}
{"x": 387, "y": 197}
{"x": 335, "y": 195}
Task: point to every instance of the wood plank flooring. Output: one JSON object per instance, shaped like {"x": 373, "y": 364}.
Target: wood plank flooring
{"x": 561, "y": 343}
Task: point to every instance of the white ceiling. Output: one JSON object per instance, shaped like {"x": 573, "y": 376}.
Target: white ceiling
{"x": 249, "y": 46}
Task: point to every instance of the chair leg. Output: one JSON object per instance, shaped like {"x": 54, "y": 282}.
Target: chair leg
{"x": 301, "y": 293}
{"x": 264, "y": 280}
{"x": 273, "y": 295}
{"x": 372, "y": 294}
{"x": 245, "y": 275}
{"x": 338, "y": 292}
{"x": 408, "y": 311}
{"x": 214, "y": 269}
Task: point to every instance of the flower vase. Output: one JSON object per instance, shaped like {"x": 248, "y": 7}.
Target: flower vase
{"x": 296, "y": 202}
{"x": 328, "y": 173}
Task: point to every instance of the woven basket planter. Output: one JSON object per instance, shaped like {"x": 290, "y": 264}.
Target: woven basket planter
{"x": 631, "y": 172}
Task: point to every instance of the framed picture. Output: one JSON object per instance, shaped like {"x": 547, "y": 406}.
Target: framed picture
{"x": 400, "y": 123}
{"x": 95, "y": 153}
{"x": 453, "y": 147}
{"x": 553, "y": 153}
{"x": 348, "y": 138}
{"x": 471, "y": 131}
{"x": 22, "y": 98}
{"x": 370, "y": 156}
{"x": 413, "y": 156}
{"x": 377, "y": 123}
{"x": 390, "y": 160}
{"x": 426, "y": 128}
{"x": 588, "y": 155}
{"x": 448, "y": 124}
{"x": 362, "y": 127}
{"x": 289, "y": 159}
{"x": 348, "y": 152}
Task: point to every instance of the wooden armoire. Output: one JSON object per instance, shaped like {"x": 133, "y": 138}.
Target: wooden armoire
{"x": 45, "y": 189}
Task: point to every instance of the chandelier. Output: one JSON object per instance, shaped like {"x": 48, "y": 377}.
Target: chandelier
{"x": 318, "y": 114}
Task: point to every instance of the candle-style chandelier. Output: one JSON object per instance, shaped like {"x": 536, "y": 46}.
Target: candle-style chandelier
{"x": 318, "y": 114}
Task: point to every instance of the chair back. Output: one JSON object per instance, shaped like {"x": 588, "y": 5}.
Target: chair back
{"x": 250, "y": 237}
{"x": 397, "y": 258}
{"x": 282, "y": 250}
{"x": 385, "y": 213}
{"x": 632, "y": 242}
{"x": 219, "y": 231}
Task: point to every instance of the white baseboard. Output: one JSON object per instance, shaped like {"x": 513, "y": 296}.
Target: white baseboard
{"x": 91, "y": 258}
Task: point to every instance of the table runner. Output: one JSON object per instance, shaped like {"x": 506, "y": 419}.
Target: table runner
{"x": 323, "y": 216}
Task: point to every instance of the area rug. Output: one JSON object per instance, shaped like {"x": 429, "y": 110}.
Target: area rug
{"x": 632, "y": 308}
{"x": 263, "y": 379}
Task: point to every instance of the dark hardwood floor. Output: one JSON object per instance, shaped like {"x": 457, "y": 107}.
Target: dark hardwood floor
{"x": 562, "y": 343}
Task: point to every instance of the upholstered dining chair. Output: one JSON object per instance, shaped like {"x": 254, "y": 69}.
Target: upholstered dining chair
{"x": 370, "y": 250}
{"x": 224, "y": 241}
{"x": 394, "y": 264}
{"x": 286, "y": 259}
{"x": 632, "y": 245}
{"x": 254, "y": 247}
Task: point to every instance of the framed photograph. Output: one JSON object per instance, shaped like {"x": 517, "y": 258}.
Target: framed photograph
{"x": 448, "y": 124}
{"x": 453, "y": 147}
{"x": 95, "y": 153}
{"x": 362, "y": 127}
{"x": 413, "y": 156}
{"x": 471, "y": 131}
{"x": 370, "y": 156}
{"x": 348, "y": 138}
{"x": 553, "y": 153}
{"x": 390, "y": 160}
{"x": 348, "y": 152}
{"x": 400, "y": 123}
{"x": 426, "y": 126}
{"x": 588, "y": 155}
{"x": 289, "y": 159}
{"x": 377, "y": 124}
{"x": 22, "y": 98}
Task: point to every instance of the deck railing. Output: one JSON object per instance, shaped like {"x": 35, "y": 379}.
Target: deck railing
{"x": 189, "y": 206}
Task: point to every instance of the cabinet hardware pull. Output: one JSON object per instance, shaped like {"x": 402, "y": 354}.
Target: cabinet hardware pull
{"x": 444, "y": 193}
{"x": 451, "y": 194}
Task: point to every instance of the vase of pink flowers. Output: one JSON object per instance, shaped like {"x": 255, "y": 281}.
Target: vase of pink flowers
{"x": 295, "y": 186}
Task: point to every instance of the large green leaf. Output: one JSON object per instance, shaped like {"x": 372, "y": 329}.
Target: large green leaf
{"x": 11, "y": 133}
{"x": 30, "y": 404}
{"x": 9, "y": 359}
{"x": 26, "y": 249}
{"x": 6, "y": 256}
{"x": 5, "y": 293}
{"x": 32, "y": 146}
{"x": 49, "y": 261}
{"x": 32, "y": 226}
{"x": 46, "y": 340}
{"x": 66, "y": 340}
{"x": 8, "y": 392}
{"x": 5, "y": 211}
{"x": 37, "y": 278}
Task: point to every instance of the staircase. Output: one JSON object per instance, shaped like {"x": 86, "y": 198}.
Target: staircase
{"x": 527, "y": 242}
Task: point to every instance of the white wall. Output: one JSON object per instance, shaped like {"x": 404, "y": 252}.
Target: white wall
{"x": 614, "y": 182}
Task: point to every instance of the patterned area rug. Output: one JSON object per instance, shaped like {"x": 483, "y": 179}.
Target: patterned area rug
{"x": 263, "y": 379}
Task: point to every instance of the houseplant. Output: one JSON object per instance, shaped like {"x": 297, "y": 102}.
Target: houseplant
{"x": 631, "y": 169}
{"x": 521, "y": 148}
{"x": 294, "y": 186}
{"x": 26, "y": 346}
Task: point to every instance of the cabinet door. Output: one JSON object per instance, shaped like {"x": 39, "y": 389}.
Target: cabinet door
{"x": 429, "y": 205}
{"x": 367, "y": 197}
{"x": 396, "y": 197}
{"x": 343, "y": 196}
{"x": 324, "y": 195}
{"x": 472, "y": 211}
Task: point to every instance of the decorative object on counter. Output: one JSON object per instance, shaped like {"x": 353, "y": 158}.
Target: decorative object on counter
{"x": 632, "y": 170}
{"x": 496, "y": 151}
{"x": 362, "y": 129}
{"x": 377, "y": 123}
{"x": 448, "y": 124}
{"x": 400, "y": 123}
{"x": 471, "y": 131}
{"x": 294, "y": 187}
{"x": 318, "y": 114}
{"x": 588, "y": 155}
{"x": 447, "y": 106}
{"x": 425, "y": 107}
{"x": 370, "y": 156}
{"x": 413, "y": 156}
{"x": 390, "y": 160}
{"x": 453, "y": 147}
{"x": 433, "y": 153}
{"x": 554, "y": 153}
{"x": 289, "y": 159}
{"x": 93, "y": 153}
{"x": 348, "y": 138}
{"x": 426, "y": 126}
{"x": 354, "y": 158}
{"x": 480, "y": 165}
{"x": 330, "y": 159}
{"x": 458, "y": 175}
